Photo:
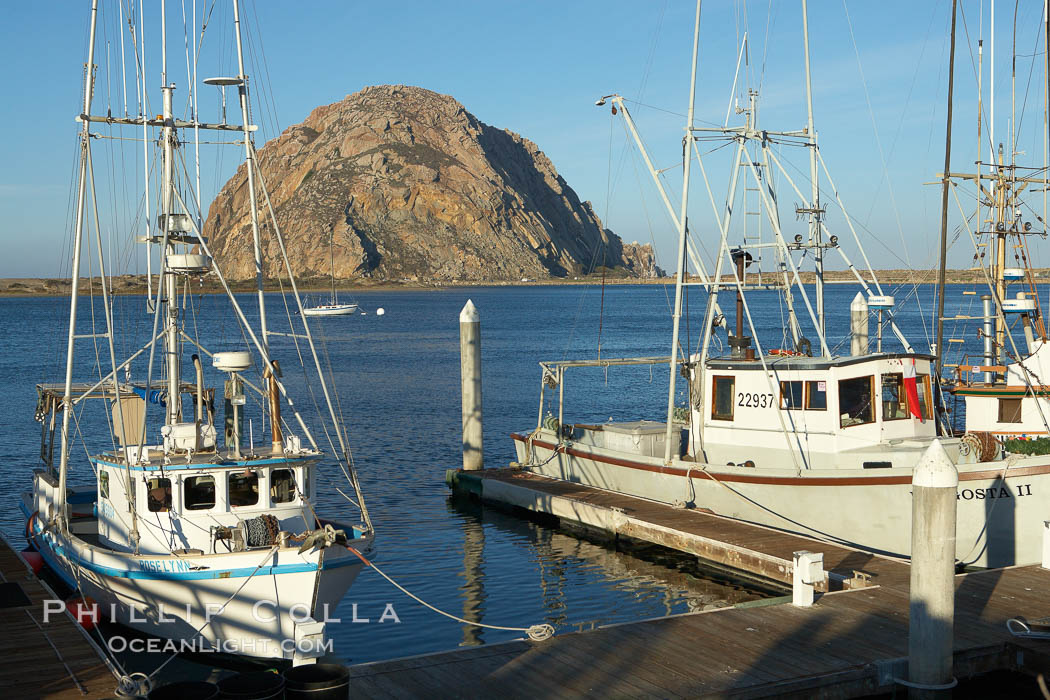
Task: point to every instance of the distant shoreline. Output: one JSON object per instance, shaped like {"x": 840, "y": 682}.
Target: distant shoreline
{"x": 135, "y": 284}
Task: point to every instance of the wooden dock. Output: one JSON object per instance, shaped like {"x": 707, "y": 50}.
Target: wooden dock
{"x": 53, "y": 660}
{"x": 743, "y": 548}
{"x": 852, "y": 642}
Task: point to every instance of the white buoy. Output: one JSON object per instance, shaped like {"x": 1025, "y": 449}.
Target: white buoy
{"x": 470, "y": 385}
{"x": 380, "y": 311}
{"x": 931, "y": 615}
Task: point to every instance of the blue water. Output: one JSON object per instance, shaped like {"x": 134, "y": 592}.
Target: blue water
{"x": 397, "y": 377}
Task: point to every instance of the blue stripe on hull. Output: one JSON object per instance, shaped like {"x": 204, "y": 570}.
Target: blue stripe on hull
{"x": 243, "y": 572}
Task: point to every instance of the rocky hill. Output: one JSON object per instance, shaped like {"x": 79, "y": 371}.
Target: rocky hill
{"x": 407, "y": 184}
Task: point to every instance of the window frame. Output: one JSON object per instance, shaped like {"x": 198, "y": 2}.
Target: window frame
{"x": 1019, "y": 404}
{"x": 924, "y": 381}
{"x": 291, "y": 474}
{"x": 810, "y": 385}
{"x": 715, "y": 378}
{"x": 229, "y": 491}
{"x": 901, "y": 392}
{"x": 215, "y": 492}
{"x": 801, "y": 395}
{"x": 160, "y": 485}
{"x": 871, "y": 399}
{"x": 103, "y": 483}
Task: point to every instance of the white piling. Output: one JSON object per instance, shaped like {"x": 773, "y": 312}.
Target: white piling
{"x": 1046, "y": 544}
{"x": 807, "y": 574}
{"x": 470, "y": 385}
{"x": 858, "y": 313}
{"x": 932, "y": 610}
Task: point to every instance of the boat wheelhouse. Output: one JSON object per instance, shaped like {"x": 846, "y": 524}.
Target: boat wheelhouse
{"x": 844, "y": 412}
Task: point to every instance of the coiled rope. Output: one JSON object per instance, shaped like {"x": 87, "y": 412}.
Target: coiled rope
{"x": 135, "y": 685}
{"x": 537, "y": 633}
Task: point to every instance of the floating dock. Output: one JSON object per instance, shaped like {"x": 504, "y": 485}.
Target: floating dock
{"x": 852, "y": 642}
{"x": 55, "y": 659}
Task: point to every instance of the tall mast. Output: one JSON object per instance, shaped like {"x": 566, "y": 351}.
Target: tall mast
{"x": 683, "y": 230}
{"x": 249, "y": 159}
{"x": 944, "y": 219}
{"x": 814, "y": 203}
{"x": 171, "y": 318}
{"x": 67, "y": 392}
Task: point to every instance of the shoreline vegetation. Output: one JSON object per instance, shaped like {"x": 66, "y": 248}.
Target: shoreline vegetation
{"x": 136, "y": 284}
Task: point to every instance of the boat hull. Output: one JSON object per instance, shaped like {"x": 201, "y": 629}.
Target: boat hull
{"x": 331, "y": 310}
{"x": 1002, "y": 505}
{"x": 246, "y": 603}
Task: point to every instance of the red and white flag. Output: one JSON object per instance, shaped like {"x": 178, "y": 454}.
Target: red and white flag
{"x": 911, "y": 388}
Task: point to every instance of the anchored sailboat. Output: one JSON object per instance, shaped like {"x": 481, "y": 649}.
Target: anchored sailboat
{"x": 333, "y": 307}
{"x": 177, "y": 535}
{"x": 798, "y": 437}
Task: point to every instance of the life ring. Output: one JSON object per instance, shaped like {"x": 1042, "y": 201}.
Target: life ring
{"x": 804, "y": 347}
{"x": 30, "y": 534}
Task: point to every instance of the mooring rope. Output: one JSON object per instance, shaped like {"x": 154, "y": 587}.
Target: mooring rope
{"x": 537, "y": 633}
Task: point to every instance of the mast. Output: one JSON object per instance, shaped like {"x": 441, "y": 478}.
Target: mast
{"x": 67, "y": 392}
{"x": 814, "y": 202}
{"x": 171, "y": 318}
{"x": 944, "y": 221}
{"x": 249, "y": 159}
{"x": 683, "y": 230}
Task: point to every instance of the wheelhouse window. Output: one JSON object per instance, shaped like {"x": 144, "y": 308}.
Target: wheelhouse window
{"x": 925, "y": 405}
{"x": 158, "y": 494}
{"x": 103, "y": 483}
{"x": 817, "y": 396}
{"x": 722, "y": 406}
{"x": 894, "y": 397}
{"x": 855, "y": 401}
{"x": 282, "y": 485}
{"x": 1009, "y": 410}
{"x": 199, "y": 493}
{"x": 791, "y": 395}
{"x": 244, "y": 488}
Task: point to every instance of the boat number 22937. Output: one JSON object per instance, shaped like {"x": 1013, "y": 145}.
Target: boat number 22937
{"x": 746, "y": 398}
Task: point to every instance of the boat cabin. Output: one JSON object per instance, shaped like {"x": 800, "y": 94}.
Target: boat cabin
{"x": 837, "y": 413}
{"x": 1001, "y": 399}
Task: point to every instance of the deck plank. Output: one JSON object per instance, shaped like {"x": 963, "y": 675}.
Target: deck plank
{"x": 833, "y": 647}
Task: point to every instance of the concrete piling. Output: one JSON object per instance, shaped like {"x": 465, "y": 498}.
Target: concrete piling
{"x": 932, "y": 607}
{"x": 858, "y": 314}
{"x": 470, "y": 385}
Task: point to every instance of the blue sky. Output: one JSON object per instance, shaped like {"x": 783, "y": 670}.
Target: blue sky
{"x": 879, "y": 72}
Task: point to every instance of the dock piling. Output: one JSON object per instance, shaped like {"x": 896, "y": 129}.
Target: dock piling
{"x": 858, "y": 313}
{"x": 1046, "y": 545}
{"x": 470, "y": 385}
{"x": 932, "y": 605}
{"x": 808, "y": 571}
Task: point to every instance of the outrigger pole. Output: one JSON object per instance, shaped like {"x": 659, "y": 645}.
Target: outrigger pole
{"x": 938, "y": 398}
{"x": 67, "y": 393}
{"x": 683, "y": 232}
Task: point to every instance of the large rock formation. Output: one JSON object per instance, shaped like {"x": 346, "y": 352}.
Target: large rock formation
{"x": 409, "y": 185}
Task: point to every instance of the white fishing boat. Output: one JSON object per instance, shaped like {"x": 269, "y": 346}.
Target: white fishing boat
{"x": 795, "y": 437}
{"x": 215, "y": 545}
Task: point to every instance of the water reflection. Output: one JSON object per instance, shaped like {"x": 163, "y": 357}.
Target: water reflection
{"x": 655, "y": 580}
